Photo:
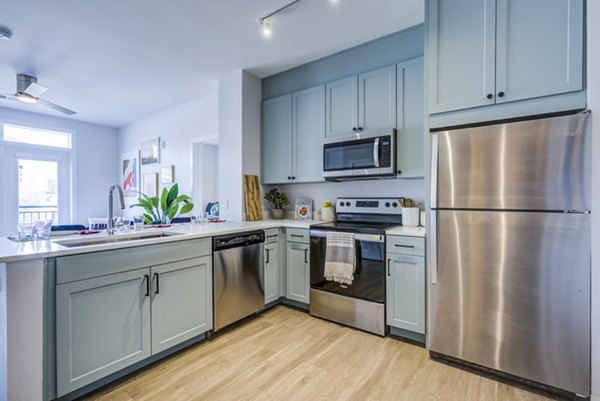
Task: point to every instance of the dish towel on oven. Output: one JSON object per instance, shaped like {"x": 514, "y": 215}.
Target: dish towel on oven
{"x": 340, "y": 258}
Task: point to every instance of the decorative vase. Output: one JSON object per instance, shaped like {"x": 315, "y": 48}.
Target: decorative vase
{"x": 277, "y": 213}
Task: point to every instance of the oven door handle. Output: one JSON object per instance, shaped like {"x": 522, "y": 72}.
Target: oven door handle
{"x": 358, "y": 237}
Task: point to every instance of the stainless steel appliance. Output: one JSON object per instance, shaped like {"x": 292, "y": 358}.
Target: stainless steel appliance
{"x": 510, "y": 238}
{"x": 238, "y": 278}
{"x": 362, "y": 303}
{"x": 362, "y": 156}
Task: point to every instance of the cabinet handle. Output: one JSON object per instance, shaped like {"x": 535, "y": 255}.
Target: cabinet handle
{"x": 293, "y": 178}
{"x": 360, "y": 128}
{"x": 267, "y": 261}
{"x": 500, "y": 94}
{"x": 399, "y": 172}
{"x": 147, "y": 280}
{"x": 296, "y": 235}
{"x": 157, "y": 277}
{"x": 404, "y": 246}
{"x": 306, "y": 256}
{"x": 490, "y": 96}
{"x": 289, "y": 177}
{"x": 388, "y": 266}
{"x": 354, "y": 129}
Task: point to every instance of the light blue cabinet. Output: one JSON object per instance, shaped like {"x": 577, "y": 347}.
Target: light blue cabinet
{"x": 411, "y": 133}
{"x": 298, "y": 265}
{"x": 485, "y": 52}
{"x": 308, "y": 128}
{"x": 272, "y": 265}
{"x": 116, "y": 308}
{"x": 276, "y": 153}
{"x": 364, "y": 102}
{"x": 102, "y": 326}
{"x": 341, "y": 111}
{"x": 405, "y": 283}
{"x": 181, "y": 295}
{"x": 377, "y": 99}
{"x": 293, "y": 128}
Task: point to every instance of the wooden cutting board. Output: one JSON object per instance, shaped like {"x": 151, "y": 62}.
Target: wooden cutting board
{"x": 252, "y": 197}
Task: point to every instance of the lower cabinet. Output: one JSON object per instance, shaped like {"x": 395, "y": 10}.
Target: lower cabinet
{"x": 105, "y": 323}
{"x": 272, "y": 268}
{"x": 298, "y": 271}
{"x": 406, "y": 284}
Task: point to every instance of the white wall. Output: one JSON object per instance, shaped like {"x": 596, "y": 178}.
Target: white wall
{"x": 178, "y": 127}
{"x": 330, "y": 191}
{"x": 210, "y": 174}
{"x": 95, "y": 159}
{"x": 239, "y": 139}
{"x": 593, "y": 84}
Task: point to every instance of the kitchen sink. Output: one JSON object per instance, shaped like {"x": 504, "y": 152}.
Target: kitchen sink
{"x": 73, "y": 243}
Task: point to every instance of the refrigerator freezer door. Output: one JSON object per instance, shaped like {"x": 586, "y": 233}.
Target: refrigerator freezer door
{"x": 541, "y": 164}
{"x": 513, "y": 294}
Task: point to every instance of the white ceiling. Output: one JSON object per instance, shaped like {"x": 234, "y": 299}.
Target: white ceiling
{"x": 115, "y": 61}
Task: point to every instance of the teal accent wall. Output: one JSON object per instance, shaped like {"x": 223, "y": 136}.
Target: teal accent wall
{"x": 388, "y": 50}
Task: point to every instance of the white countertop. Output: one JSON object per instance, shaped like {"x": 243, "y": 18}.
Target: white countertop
{"x": 11, "y": 251}
{"x": 407, "y": 231}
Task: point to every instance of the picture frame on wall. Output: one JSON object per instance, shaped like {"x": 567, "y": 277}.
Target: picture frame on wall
{"x": 150, "y": 187}
{"x": 150, "y": 152}
{"x": 167, "y": 174}
{"x": 130, "y": 174}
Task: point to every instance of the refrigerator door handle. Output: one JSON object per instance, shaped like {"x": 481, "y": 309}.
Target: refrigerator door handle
{"x": 434, "y": 170}
{"x": 433, "y": 242}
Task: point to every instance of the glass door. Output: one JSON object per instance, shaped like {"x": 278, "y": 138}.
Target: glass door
{"x": 38, "y": 190}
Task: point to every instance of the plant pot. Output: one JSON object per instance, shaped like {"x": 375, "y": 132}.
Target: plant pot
{"x": 277, "y": 213}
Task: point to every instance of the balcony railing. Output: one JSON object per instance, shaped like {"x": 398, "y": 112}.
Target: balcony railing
{"x": 29, "y": 214}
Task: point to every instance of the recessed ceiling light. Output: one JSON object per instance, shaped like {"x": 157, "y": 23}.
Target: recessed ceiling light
{"x": 5, "y": 33}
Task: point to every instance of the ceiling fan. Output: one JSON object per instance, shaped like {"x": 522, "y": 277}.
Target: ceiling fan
{"x": 28, "y": 91}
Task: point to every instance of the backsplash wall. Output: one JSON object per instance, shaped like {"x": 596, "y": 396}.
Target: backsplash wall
{"x": 330, "y": 191}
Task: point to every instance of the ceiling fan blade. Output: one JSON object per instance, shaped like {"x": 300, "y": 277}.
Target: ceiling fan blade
{"x": 56, "y": 107}
{"x": 35, "y": 90}
{"x": 8, "y": 96}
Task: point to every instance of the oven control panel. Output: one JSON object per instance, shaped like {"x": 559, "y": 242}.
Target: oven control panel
{"x": 369, "y": 205}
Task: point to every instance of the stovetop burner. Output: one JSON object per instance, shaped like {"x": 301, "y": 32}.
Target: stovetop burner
{"x": 364, "y": 215}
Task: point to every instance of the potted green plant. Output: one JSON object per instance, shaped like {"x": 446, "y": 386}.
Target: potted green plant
{"x": 278, "y": 200}
{"x": 165, "y": 208}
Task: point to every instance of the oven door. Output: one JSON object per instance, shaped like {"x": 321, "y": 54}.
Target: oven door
{"x": 369, "y": 276}
{"x": 368, "y": 155}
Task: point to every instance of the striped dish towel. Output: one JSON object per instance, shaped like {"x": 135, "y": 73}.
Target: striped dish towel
{"x": 340, "y": 258}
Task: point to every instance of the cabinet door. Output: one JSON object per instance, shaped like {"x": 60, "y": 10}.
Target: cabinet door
{"x": 308, "y": 133}
{"x": 297, "y": 257}
{"x": 406, "y": 292}
{"x": 461, "y": 50}
{"x": 102, "y": 326}
{"x": 540, "y": 48}
{"x": 181, "y": 301}
{"x": 377, "y": 99}
{"x": 341, "y": 106}
{"x": 271, "y": 266}
{"x": 277, "y": 140}
{"x": 411, "y": 119}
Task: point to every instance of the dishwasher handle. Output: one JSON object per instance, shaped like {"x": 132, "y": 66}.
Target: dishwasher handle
{"x": 234, "y": 241}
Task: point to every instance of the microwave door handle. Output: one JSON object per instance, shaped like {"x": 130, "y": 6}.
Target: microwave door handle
{"x": 376, "y": 152}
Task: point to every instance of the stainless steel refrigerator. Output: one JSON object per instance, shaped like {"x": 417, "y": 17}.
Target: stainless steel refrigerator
{"x": 509, "y": 279}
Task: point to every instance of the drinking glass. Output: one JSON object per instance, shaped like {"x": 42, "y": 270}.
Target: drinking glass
{"x": 138, "y": 223}
{"x": 194, "y": 220}
{"x": 203, "y": 217}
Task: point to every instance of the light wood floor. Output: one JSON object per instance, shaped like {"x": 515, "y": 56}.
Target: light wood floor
{"x": 287, "y": 355}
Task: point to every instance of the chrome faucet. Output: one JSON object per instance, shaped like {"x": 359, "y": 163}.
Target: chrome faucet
{"x": 110, "y": 230}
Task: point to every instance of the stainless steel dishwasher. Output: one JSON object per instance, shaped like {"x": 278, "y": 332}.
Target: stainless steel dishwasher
{"x": 238, "y": 277}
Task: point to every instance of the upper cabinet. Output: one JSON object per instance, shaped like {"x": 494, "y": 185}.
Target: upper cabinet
{"x": 293, "y": 129}
{"x": 485, "y": 52}
{"x": 364, "y": 102}
{"x": 410, "y": 119}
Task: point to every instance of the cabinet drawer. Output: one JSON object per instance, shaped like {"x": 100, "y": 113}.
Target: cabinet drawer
{"x": 96, "y": 264}
{"x": 297, "y": 235}
{"x": 271, "y": 235}
{"x": 405, "y": 245}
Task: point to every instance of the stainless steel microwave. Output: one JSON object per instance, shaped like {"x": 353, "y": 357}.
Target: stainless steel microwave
{"x": 363, "y": 155}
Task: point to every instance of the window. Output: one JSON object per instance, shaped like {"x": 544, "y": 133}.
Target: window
{"x": 36, "y": 169}
{"x": 32, "y": 136}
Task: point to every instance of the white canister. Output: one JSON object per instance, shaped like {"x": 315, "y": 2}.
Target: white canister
{"x": 410, "y": 216}
{"x": 327, "y": 214}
